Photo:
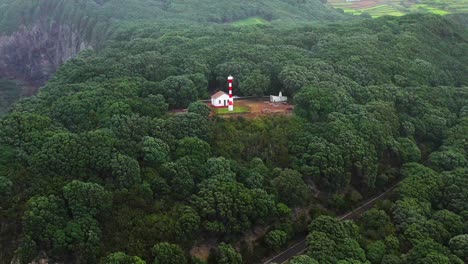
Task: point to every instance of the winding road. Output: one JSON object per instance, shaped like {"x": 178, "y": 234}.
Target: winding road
{"x": 300, "y": 247}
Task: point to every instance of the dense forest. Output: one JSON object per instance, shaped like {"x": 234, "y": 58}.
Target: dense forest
{"x": 101, "y": 13}
{"x": 97, "y": 168}
{"x": 36, "y": 37}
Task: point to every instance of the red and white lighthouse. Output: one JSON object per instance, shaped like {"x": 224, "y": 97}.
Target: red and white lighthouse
{"x": 231, "y": 99}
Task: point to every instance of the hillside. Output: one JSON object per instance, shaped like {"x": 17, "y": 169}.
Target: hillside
{"x": 36, "y": 37}
{"x": 97, "y": 169}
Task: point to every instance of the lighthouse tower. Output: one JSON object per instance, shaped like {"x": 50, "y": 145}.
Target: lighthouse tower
{"x": 231, "y": 99}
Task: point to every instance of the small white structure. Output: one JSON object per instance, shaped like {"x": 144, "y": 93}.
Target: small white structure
{"x": 220, "y": 99}
{"x": 278, "y": 99}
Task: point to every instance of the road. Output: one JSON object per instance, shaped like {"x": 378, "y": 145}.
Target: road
{"x": 300, "y": 247}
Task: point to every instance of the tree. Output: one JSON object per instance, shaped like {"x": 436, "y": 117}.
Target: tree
{"x": 227, "y": 207}
{"x": 331, "y": 226}
{"x": 5, "y": 186}
{"x": 61, "y": 154}
{"x": 276, "y": 239}
{"x": 359, "y": 157}
{"x": 459, "y": 246}
{"x": 420, "y": 182}
{"x": 291, "y": 188}
{"x": 447, "y": 160}
{"x": 77, "y": 112}
{"x": 376, "y": 224}
{"x": 349, "y": 249}
{"x": 316, "y": 157}
{"x": 302, "y": 259}
{"x": 82, "y": 237}
{"x": 188, "y": 223}
{"x": 126, "y": 171}
{"x": 321, "y": 247}
{"x": 218, "y": 166}
{"x": 27, "y": 250}
{"x": 315, "y": 102}
{"x": 20, "y": 129}
{"x": 86, "y": 199}
{"x": 294, "y": 78}
{"x": 255, "y": 84}
{"x": 199, "y": 108}
{"x": 188, "y": 125}
{"x": 376, "y": 251}
{"x": 408, "y": 211}
{"x": 154, "y": 106}
{"x": 43, "y": 218}
{"x": 451, "y": 222}
{"x": 434, "y": 258}
{"x": 283, "y": 210}
{"x": 226, "y": 254}
{"x": 193, "y": 147}
{"x": 122, "y": 258}
{"x": 179, "y": 91}
{"x": 155, "y": 151}
{"x": 330, "y": 240}
{"x": 98, "y": 149}
{"x": 165, "y": 253}
{"x": 391, "y": 259}
{"x": 392, "y": 244}
{"x": 455, "y": 190}
{"x": 430, "y": 250}
{"x": 179, "y": 179}
{"x": 409, "y": 151}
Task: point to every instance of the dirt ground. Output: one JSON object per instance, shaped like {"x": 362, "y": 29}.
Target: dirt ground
{"x": 262, "y": 106}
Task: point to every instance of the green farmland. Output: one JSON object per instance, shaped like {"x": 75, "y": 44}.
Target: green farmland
{"x": 377, "y": 8}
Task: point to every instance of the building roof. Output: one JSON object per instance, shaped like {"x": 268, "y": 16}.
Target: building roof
{"x": 218, "y": 94}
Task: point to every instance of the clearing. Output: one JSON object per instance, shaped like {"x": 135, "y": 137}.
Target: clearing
{"x": 253, "y": 107}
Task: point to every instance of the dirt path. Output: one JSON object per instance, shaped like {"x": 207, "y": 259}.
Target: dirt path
{"x": 301, "y": 246}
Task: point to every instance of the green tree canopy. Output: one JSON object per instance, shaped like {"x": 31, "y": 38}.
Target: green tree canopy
{"x": 255, "y": 83}
{"x": 155, "y": 151}
{"x": 226, "y": 254}
{"x": 122, "y": 258}
{"x": 86, "y": 199}
{"x": 291, "y": 188}
{"x": 276, "y": 239}
{"x": 165, "y": 253}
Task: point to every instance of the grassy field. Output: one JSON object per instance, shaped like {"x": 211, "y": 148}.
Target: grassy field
{"x": 377, "y": 8}
{"x": 237, "y": 110}
{"x": 250, "y": 21}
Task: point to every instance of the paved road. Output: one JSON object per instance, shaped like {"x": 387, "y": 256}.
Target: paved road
{"x": 301, "y": 246}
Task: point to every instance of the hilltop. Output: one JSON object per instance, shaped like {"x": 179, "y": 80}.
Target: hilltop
{"x": 36, "y": 37}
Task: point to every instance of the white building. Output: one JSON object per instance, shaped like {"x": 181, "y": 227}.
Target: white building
{"x": 278, "y": 99}
{"x": 220, "y": 99}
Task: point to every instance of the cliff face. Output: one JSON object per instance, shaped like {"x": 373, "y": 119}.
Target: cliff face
{"x": 32, "y": 54}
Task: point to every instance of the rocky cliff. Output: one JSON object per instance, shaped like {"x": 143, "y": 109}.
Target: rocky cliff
{"x": 33, "y": 53}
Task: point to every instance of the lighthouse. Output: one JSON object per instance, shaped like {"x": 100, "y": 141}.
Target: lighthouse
{"x": 231, "y": 99}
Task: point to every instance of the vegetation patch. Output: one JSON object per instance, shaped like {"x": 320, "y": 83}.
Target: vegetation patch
{"x": 237, "y": 110}
{"x": 250, "y": 22}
